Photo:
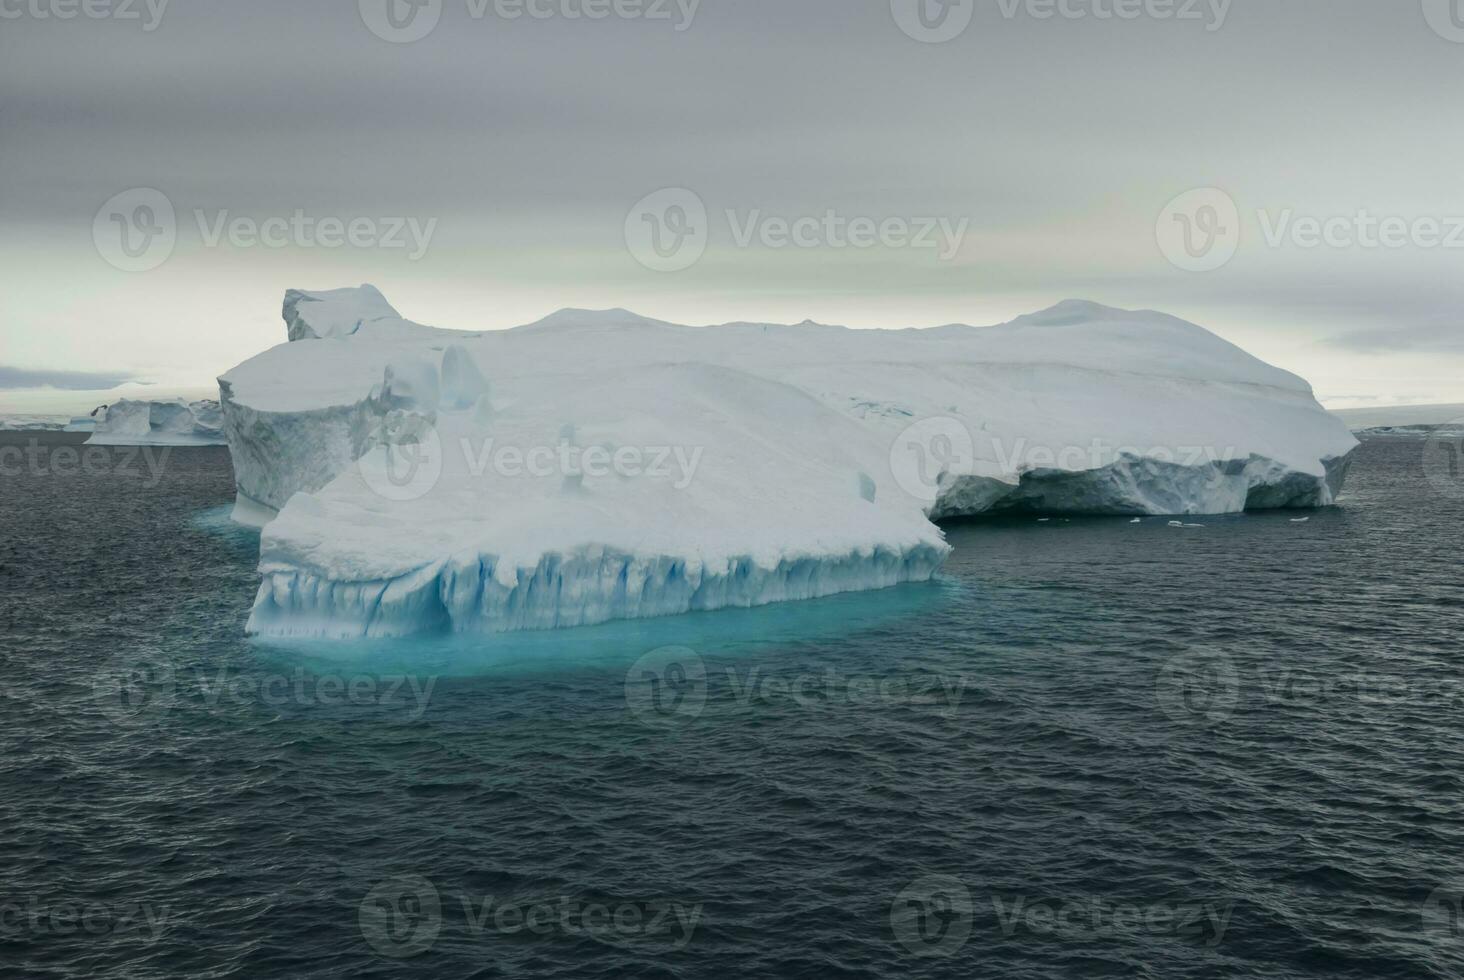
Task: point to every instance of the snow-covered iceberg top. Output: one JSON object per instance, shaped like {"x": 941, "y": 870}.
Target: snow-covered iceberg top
{"x": 601, "y": 465}
{"x": 334, "y": 312}
{"x": 154, "y": 423}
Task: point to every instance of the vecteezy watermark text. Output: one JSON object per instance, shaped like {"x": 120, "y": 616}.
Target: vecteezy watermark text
{"x": 49, "y": 916}
{"x": 670, "y": 229}
{"x": 668, "y": 687}
{"x": 134, "y": 690}
{"x": 937, "y": 21}
{"x": 405, "y": 21}
{"x": 1202, "y": 230}
{"x": 137, "y": 230}
{"x": 128, "y": 462}
{"x": 149, "y": 13}
{"x": 937, "y": 915}
{"x": 299, "y": 229}
{"x": 1212, "y": 13}
{"x": 409, "y": 458}
{"x": 676, "y": 464}
{"x": 1207, "y": 688}
{"x": 403, "y": 916}
{"x": 928, "y": 455}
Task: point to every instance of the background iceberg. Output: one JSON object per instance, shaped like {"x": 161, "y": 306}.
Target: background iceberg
{"x": 789, "y": 461}
{"x": 154, "y": 423}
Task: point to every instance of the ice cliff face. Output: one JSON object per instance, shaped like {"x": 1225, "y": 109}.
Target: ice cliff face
{"x": 154, "y": 423}
{"x": 600, "y": 465}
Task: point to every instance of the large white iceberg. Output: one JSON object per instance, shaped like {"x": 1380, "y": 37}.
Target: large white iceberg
{"x": 173, "y": 422}
{"x": 601, "y": 465}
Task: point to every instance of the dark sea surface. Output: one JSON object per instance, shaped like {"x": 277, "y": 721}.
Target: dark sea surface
{"x": 1095, "y": 748}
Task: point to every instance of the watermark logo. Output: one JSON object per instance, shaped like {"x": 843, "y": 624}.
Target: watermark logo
{"x": 401, "y": 917}
{"x": 123, "y": 462}
{"x": 1359, "y": 229}
{"x": 926, "y": 453}
{"x": 667, "y": 231}
{"x": 933, "y": 21}
{"x": 933, "y": 917}
{"x": 408, "y": 457}
{"x": 136, "y": 230}
{"x": 134, "y": 691}
{"x": 1212, "y": 12}
{"x": 832, "y": 688}
{"x": 1085, "y": 918}
{"x": 405, "y": 21}
{"x": 1443, "y": 459}
{"x": 927, "y": 457}
{"x": 43, "y": 916}
{"x": 401, "y": 21}
{"x": 674, "y": 465}
{"x": 1446, "y": 17}
{"x": 833, "y": 230}
{"x": 1443, "y": 912}
{"x": 301, "y": 229}
{"x": 1198, "y": 688}
{"x": 148, "y": 12}
{"x": 938, "y": 21}
{"x": 406, "y": 461}
{"x": 1199, "y": 231}
{"x": 669, "y": 925}
{"x": 667, "y": 687}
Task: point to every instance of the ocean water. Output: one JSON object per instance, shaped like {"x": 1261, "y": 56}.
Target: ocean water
{"x": 1094, "y": 748}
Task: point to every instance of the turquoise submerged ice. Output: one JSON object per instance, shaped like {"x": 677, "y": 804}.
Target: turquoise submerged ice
{"x": 600, "y": 465}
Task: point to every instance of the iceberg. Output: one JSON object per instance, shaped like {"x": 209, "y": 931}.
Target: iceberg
{"x": 154, "y": 423}
{"x": 600, "y": 465}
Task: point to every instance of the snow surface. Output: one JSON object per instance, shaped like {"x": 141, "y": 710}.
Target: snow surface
{"x": 799, "y": 461}
{"x": 155, "y": 423}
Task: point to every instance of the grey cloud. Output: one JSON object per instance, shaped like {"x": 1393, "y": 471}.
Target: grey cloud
{"x": 14, "y": 378}
{"x": 1423, "y": 339}
{"x": 530, "y": 140}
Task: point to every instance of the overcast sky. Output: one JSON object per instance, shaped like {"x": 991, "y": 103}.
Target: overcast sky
{"x": 515, "y": 154}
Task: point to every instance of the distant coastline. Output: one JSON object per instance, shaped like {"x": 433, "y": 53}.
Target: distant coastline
{"x": 1416, "y": 417}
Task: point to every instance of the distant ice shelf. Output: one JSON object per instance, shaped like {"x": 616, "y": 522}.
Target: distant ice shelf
{"x": 599, "y": 465}
{"x": 32, "y": 423}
